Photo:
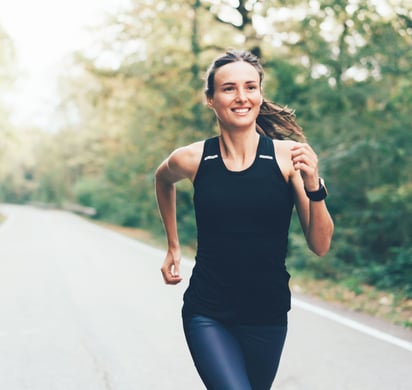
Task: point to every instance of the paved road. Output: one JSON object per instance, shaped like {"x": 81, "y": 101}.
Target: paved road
{"x": 82, "y": 308}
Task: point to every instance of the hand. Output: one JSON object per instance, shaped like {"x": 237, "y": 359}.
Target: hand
{"x": 171, "y": 267}
{"x": 305, "y": 160}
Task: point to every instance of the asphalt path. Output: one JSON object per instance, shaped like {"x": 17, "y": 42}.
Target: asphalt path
{"x": 84, "y": 308}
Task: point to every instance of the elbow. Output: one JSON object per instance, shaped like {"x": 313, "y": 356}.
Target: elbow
{"x": 321, "y": 247}
{"x": 320, "y": 251}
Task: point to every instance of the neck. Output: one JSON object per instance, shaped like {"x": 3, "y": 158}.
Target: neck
{"x": 239, "y": 149}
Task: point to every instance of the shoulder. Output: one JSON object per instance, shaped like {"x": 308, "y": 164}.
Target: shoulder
{"x": 186, "y": 155}
{"x": 186, "y": 159}
{"x": 284, "y": 146}
{"x": 283, "y": 153}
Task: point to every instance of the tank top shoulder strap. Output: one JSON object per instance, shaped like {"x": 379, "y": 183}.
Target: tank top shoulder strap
{"x": 209, "y": 155}
{"x": 210, "y": 149}
{"x": 266, "y": 150}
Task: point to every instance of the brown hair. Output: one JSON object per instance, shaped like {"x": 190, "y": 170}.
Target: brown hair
{"x": 274, "y": 120}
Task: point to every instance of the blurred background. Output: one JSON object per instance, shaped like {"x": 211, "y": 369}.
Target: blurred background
{"x": 93, "y": 95}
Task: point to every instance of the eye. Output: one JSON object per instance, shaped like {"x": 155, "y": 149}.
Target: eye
{"x": 252, "y": 87}
{"x": 228, "y": 89}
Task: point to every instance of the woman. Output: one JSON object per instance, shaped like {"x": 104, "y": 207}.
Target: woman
{"x": 246, "y": 182}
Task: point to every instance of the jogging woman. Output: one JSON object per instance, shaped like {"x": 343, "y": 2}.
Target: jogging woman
{"x": 246, "y": 182}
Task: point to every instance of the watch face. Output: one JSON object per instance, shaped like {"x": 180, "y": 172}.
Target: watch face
{"x": 322, "y": 183}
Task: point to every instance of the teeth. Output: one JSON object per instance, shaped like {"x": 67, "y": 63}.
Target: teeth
{"x": 241, "y": 110}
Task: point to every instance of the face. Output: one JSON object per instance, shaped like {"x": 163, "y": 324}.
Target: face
{"x": 237, "y": 95}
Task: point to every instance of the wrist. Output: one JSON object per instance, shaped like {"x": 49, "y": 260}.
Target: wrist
{"x": 312, "y": 186}
{"x": 173, "y": 241}
{"x": 173, "y": 245}
{"x": 320, "y": 193}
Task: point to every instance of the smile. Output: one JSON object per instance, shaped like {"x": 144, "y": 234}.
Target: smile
{"x": 241, "y": 110}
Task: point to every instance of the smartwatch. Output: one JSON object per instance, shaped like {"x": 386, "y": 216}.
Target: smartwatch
{"x": 319, "y": 194}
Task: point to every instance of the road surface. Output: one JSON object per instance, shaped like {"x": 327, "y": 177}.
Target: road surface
{"x": 83, "y": 308}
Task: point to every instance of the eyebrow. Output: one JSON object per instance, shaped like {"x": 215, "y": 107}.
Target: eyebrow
{"x": 233, "y": 83}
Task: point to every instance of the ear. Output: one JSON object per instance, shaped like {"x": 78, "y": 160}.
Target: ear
{"x": 210, "y": 102}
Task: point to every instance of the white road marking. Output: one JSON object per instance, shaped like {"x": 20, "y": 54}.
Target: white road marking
{"x": 352, "y": 324}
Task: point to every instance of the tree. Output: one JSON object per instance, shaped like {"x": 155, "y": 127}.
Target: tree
{"x": 344, "y": 66}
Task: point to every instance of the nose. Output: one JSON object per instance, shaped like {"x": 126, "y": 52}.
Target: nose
{"x": 241, "y": 95}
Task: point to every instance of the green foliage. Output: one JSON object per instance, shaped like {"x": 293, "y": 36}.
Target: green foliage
{"x": 344, "y": 67}
{"x": 395, "y": 273}
{"x": 110, "y": 202}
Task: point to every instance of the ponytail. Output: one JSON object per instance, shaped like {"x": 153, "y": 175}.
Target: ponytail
{"x": 278, "y": 122}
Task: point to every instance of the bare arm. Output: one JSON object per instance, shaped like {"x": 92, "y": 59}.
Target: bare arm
{"x": 181, "y": 164}
{"x": 314, "y": 216}
{"x": 299, "y": 164}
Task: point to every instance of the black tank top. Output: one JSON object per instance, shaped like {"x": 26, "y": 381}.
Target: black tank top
{"x": 242, "y": 222}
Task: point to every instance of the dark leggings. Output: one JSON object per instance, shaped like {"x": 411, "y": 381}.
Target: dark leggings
{"x": 241, "y": 357}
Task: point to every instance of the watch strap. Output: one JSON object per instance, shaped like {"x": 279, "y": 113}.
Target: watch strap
{"x": 319, "y": 194}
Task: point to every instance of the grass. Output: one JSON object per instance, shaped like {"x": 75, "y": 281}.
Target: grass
{"x": 389, "y": 306}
